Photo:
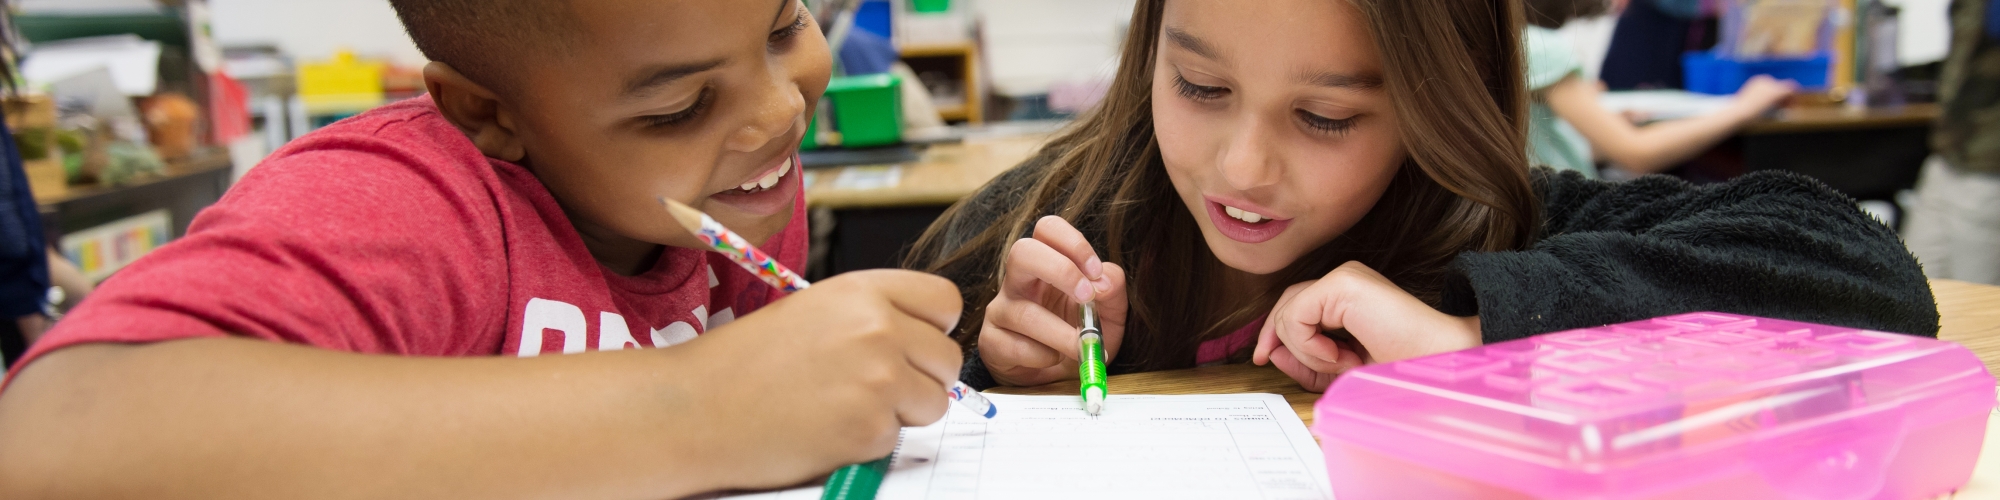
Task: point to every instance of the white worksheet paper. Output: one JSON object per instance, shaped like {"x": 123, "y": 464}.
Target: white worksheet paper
{"x": 1152, "y": 447}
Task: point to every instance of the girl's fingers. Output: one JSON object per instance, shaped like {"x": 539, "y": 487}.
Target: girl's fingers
{"x": 1299, "y": 324}
{"x": 1032, "y": 263}
{"x": 1349, "y": 359}
{"x": 1064, "y": 238}
{"x": 1318, "y": 352}
{"x": 1034, "y": 323}
{"x": 1267, "y": 335}
{"x": 1111, "y": 307}
{"x": 1010, "y": 350}
{"x": 1308, "y": 378}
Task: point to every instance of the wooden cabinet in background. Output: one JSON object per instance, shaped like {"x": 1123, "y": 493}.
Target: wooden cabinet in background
{"x": 951, "y": 73}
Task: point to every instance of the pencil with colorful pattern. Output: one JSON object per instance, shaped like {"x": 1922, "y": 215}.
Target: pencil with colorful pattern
{"x": 733, "y": 246}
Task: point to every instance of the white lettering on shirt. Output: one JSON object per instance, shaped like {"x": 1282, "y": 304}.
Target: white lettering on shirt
{"x": 722, "y": 317}
{"x": 544, "y": 314}
{"x": 612, "y": 334}
{"x": 674, "y": 334}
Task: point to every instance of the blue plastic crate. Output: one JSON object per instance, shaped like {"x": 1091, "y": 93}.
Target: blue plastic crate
{"x": 1709, "y": 73}
{"x": 877, "y": 17}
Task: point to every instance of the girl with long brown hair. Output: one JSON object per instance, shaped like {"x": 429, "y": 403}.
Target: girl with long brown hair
{"x": 1322, "y": 183}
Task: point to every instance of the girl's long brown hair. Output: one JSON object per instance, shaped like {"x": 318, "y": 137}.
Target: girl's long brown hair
{"x": 1453, "y": 70}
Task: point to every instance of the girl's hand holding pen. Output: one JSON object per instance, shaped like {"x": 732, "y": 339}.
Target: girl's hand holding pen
{"x": 1030, "y": 331}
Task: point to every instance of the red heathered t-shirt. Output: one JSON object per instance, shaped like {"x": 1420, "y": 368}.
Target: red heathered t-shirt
{"x": 390, "y": 233}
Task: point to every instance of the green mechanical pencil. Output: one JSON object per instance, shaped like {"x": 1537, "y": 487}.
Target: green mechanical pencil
{"x": 1090, "y": 369}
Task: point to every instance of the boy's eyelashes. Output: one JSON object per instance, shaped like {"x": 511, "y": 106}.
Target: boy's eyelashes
{"x": 701, "y": 102}
{"x": 1203, "y": 93}
{"x": 789, "y": 32}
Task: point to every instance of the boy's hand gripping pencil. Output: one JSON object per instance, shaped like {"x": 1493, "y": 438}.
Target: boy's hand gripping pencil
{"x": 1090, "y": 368}
{"x": 857, "y": 481}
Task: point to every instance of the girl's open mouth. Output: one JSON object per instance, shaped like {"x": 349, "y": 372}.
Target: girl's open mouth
{"x": 1243, "y": 225}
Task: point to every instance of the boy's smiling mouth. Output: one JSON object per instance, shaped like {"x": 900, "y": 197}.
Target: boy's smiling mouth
{"x": 770, "y": 178}
{"x": 766, "y": 194}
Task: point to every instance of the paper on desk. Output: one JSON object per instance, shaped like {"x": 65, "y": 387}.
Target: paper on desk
{"x": 1152, "y": 447}
{"x": 869, "y": 178}
{"x": 1663, "y": 104}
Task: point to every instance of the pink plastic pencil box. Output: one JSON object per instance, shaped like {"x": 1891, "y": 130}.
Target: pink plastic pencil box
{"x": 1699, "y": 405}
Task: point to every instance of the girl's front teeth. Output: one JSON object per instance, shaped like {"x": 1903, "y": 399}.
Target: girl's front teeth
{"x": 1243, "y": 215}
{"x": 770, "y": 179}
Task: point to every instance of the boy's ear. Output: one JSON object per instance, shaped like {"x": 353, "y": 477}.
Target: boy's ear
{"x": 475, "y": 110}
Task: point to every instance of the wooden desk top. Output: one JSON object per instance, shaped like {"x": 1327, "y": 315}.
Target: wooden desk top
{"x": 944, "y": 174}
{"x": 1834, "y": 117}
{"x": 1971, "y": 316}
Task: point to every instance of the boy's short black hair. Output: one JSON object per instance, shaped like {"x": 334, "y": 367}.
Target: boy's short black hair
{"x": 1552, "y": 14}
{"x": 483, "y": 39}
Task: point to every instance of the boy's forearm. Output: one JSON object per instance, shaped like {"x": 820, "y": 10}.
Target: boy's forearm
{"x": 214, "y": 418}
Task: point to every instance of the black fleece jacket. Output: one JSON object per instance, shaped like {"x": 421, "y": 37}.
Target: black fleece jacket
{"x": 1771, "y": 244}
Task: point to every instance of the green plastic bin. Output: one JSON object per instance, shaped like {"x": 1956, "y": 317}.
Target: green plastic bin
{"x": 867, "y": 109}
{"x": 930, "y": 5}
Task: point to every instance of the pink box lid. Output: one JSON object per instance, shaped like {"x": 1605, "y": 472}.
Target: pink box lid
{"x": 1651, "y": 405}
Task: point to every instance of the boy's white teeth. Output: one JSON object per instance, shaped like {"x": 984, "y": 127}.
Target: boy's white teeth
{"x": 770, "y": 179}
{"x": 1243, "y": 215}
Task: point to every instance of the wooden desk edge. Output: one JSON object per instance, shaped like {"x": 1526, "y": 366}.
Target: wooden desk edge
{"x": 1803, "y": 120}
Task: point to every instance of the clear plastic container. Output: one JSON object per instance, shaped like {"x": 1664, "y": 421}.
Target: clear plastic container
{"x": 1699, "y": 405}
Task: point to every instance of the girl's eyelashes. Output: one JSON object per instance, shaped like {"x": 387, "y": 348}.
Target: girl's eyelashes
{"x": 1203, "y": 93}
{"x": 788, "y": 32}
{"x": 1324, "y": 124}
{"x": 1197, "y": 93}
{"x": 693, "y": 111}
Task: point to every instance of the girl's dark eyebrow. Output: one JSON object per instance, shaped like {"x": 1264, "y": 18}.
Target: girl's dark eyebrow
{"x": 1192, "y": 44}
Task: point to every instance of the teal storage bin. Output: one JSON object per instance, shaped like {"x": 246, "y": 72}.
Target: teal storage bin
{"x": 867, "y": 109}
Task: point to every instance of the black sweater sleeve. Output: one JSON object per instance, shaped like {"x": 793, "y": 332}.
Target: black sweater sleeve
{"x": 1769, "y": 244}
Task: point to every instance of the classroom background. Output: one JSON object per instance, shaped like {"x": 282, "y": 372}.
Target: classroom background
{"x": 135, "y": 114}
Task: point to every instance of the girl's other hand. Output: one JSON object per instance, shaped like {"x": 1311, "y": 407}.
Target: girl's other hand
{"x": 1762, "y": 93}
{"x": 1030, "y": 330}
{"x": 1390, "y": 324}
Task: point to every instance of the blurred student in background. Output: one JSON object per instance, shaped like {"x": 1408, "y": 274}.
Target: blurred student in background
{"x": 24, "y": 265}
{"x": 24, "y": 270}
{"x": 1651, "y": 35}
{"x": 1566, "y": 122}
{"x": 1955, "y": 227}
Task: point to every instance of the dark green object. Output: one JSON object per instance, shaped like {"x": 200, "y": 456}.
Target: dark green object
{"x": 164, "y": 26}
{"x": 930, "y": 5}
{"x": 867, "y": 109}
{"x": 858, "y": 481}
{"x": 33, "y": 142}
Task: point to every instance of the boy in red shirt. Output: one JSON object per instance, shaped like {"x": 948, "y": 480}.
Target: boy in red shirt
{"x": 510, "y": 215}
